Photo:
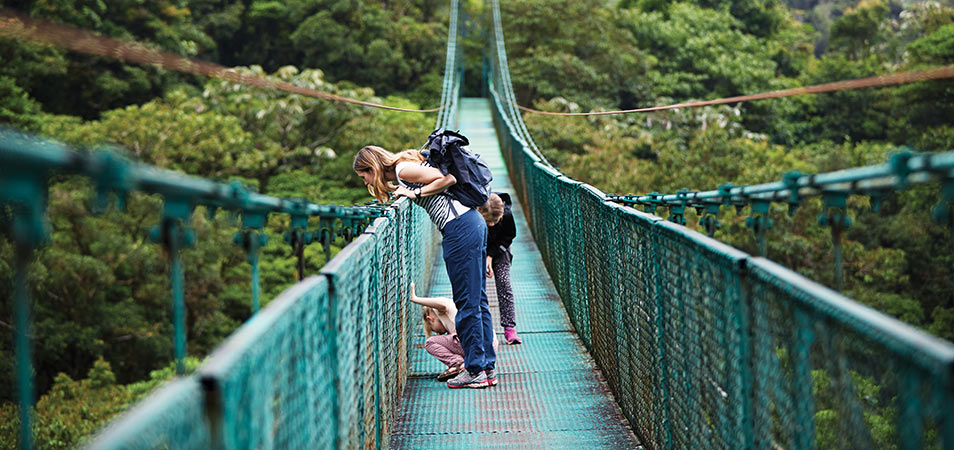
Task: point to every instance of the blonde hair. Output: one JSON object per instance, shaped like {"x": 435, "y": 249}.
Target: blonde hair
{"x": 493, "y": 210}
{"x": 426, "y": 311}
{"x": 380, "y": 161}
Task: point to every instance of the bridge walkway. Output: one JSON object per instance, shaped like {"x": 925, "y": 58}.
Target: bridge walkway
{"x": 551, "y": 394}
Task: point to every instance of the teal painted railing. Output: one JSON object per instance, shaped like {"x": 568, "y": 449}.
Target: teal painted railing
{"x": 705, "y": 346}
{"x": 340, "y": 335}
{"x": 322, "y": 366}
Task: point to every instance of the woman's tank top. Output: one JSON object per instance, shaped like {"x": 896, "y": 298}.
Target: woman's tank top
{"x": 439, "y": 206}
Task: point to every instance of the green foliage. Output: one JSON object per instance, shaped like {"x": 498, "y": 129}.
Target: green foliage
{"x": 73, "y": 409}
{"x": 926, "y": 105}
{"x": 879, "y": 410}
{"x": 23, "y": 67}
{"x": 585, "y": 59}
{"x": 706, "y": 53}
{"x": 101, "y": 288}
{"x": 17, "y": 109}
{"x": 662, "y": 151}
{"x": 393, "y": 47}
{"x": 863, "y": 32}
{"x": 373, "y": 46}
{"x": 935, "y": 48}
{"x": 756, "y": 17}
{"x": 943, "y": 323}
{"x": 85, "y": 85}
{"x": 891, "y": 259}
{"x": 850, "y": 115}
{"x": 695, "y": 52}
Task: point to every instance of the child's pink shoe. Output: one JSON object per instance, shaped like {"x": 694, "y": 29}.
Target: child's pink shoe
{"x": 511, "y": 336}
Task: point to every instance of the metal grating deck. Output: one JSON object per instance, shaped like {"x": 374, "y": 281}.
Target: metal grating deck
{"x": 551, "y": 394}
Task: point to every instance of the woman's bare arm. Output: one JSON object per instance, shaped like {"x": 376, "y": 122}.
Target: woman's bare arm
{"x": 433, "y": 180}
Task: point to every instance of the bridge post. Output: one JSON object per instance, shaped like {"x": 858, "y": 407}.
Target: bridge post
{"x": 662, "y": 384}
{"x": 327, "y": 229}
{"x": 24, "y": 357}
{"x": 836, "y": 217}
{"x": 677, "y": 212}
{"x": 252, "y": 238}
{"x": 25, "y": 192}
{"x": 760, "y": 223}
{"x": 298, "y": 235}
{"x": 175, "y": 234}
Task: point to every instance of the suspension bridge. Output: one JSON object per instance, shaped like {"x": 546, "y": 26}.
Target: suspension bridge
{"x": 639, "y": 332}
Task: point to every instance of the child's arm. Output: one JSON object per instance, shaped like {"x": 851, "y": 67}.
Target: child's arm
{"x": 441, "y": 304}
{"x": 506, "y": 231}
{"x": 509, "y": 229}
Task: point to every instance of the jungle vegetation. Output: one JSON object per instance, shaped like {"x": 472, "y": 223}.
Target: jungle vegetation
{"x": 102, "y": 334}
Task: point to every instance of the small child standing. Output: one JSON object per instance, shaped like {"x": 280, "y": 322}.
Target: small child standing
{"x": 501, "y": 230}
{"x": 439, "y": 314}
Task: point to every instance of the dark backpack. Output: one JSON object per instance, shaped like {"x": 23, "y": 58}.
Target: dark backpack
{"x": 446, "y": 150}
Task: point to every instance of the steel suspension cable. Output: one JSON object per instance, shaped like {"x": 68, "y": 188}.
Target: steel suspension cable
{"x": 450, "y": 89}
{"x": 19, "y": 26}
{"x": 502, "y": 71}
{"x": 503, "y": 66}
{"x": 860, "y": 83}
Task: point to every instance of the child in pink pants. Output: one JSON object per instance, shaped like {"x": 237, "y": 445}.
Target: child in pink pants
{"x": 439, "y": 314}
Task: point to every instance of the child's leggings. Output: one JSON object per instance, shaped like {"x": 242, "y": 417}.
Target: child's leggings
{"x": 501, "y": 267}
{"x": 447, "y": 349}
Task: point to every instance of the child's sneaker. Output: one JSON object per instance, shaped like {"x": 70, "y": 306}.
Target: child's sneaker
{"x": 466, "y": 380}
{"x": 511, "y": 336}
{"x": 491, "y": 377}
{"x": 451, "y": 372}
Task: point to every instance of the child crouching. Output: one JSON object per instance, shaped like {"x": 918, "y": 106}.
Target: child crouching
{"x": 439, "y": 314}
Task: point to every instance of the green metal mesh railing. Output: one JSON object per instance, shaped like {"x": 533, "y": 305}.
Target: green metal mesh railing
{"x": 453, "y": 72}
{"x": 705, "y": 346}
{"x": 702, "y": 345}
{"x": 322, "y": 366}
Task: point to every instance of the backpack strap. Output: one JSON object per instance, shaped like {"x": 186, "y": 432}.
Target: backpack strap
{"x": 453, "y": 208}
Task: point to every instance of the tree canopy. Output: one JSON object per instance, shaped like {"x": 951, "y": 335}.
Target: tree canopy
{"x": 100, "y": 288}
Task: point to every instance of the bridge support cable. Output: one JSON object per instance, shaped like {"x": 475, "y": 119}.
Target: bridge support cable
{"x": 705, "y": 346}
{"x": 450, "y": 89}
{"x": 20, "y": 26}
{"x": 501, "y": 85}
{"x": 937, "y": 73}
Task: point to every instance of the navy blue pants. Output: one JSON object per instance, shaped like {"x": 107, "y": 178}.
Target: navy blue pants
{"x": 465, "y": 254}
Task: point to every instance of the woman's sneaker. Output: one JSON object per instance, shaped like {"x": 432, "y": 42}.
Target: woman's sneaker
{"x": 491, "y": 377}
{"x": 511, "y": 336}
{"x": 466, "y": 380}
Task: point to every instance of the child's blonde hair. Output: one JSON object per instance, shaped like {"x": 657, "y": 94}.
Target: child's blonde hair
{"x": 379, "y": 161}
{"x": 493, "y": 210}
{"x": 426, "y": 311}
